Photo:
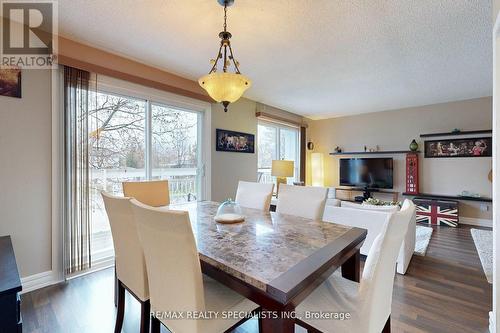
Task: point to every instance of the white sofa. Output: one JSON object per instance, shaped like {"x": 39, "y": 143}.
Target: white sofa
{"x": 371, "y": 218}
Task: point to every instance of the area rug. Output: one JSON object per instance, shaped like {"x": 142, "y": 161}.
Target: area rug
{"x": 483, "y": 239}
{"x": 422, "y": 239}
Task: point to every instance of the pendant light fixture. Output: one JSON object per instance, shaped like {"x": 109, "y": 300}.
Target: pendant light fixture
{"x": 225, "y": 87}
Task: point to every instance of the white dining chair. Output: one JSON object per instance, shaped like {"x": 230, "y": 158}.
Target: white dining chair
{"x": 303, "y": 201}
{"x": 368, "y": 302}
{"x": 153, "y": 193}
{"x": 130, "y": 266}
{"x": 176, "y": 283}
{"x": 254, "y": 195}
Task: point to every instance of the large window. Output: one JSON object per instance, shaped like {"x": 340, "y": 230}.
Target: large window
{"x": 276, "y": 141}
{"x": 133, "y": 139}
{"x": 175, "y": 150}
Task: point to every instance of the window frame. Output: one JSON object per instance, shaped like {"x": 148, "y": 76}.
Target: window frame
{"x": 162, "y": 98}
{"x": 279, "y": 126}
{"x": 112, "y": 86}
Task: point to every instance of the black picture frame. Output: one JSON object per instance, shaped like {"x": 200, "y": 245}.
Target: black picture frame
{"x": 236, "y": 142}
{"x": 462, "y": 147}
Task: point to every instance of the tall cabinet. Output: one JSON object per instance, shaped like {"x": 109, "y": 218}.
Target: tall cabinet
{"x": 10, "y": 287}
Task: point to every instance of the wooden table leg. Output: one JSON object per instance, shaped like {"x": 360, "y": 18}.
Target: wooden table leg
{"x": 350, "y": 269}
{"x": 277, "y": 322}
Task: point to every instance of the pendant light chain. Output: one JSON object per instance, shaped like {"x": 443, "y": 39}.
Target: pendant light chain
{"x": 225, "y": 87}
{"x": 225, "y": 17}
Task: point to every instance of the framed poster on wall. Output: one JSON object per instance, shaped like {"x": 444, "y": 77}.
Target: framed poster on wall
{"x": 469, "y": 147}
{"x": 10, "y": 82}
{"x": 232, "y": 141}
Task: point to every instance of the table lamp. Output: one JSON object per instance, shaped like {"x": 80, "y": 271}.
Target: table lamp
{"x": 281, "y": 169}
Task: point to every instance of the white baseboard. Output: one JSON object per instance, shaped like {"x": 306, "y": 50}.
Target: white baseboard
{"x": 96, "y": 266}
{"x": 492, "y": 323}
{"x": 38, "y": 281}
{"x": 476, "y": 222}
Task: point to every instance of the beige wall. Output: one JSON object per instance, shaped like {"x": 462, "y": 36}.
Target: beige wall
{"x": 25, "y": 172}
{"x": 227, "y": 167}
{"x": 394, "y": 130}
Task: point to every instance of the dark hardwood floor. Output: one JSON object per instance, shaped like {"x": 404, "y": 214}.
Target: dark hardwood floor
{"x": 445, "y": 291}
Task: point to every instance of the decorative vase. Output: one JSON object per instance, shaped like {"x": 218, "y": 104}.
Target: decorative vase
{"x": 414, "y": 145}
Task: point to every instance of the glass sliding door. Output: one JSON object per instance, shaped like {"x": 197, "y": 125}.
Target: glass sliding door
{"x": 117, "y": 152}
{"x": 117, "y": 131}
{"x": 132, "y": 139}
{"x": 175, "y": 152}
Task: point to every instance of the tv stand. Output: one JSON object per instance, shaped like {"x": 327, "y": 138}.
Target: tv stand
{"x": 352, "y": 194}
{"x": 367, "y": 194}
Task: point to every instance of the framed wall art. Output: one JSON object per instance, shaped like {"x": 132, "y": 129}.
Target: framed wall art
{"x": 232, "y": 141}
{"x": 469, "y": 147}
{"x": 10, "y": 82}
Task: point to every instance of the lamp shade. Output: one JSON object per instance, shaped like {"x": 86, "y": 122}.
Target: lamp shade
{"x": 317, "y": 169}
{"x": 225, "y": 87}
{"x": 281, "y": 168}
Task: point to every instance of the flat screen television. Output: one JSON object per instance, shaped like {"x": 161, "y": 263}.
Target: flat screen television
{"x": 369, "y": 173}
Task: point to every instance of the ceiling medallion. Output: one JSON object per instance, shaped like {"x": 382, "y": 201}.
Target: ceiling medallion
{"x": 225, "y": 87}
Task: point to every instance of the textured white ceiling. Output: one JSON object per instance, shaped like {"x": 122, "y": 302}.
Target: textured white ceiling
{"x": 317, "y": 58}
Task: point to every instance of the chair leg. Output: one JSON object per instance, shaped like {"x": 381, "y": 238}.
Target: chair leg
{"x": 155, "y": 325}
{"x": 121, "y": 308}
{"x": 145, "y": 316}
{"x": 115, "y": 296}
{"x": 387, "y": 327}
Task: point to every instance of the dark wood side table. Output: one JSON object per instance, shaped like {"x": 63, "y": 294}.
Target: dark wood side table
{"x": 10, "y": 287}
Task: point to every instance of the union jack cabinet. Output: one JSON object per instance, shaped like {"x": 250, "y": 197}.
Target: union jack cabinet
{"x": 437, "y": 212}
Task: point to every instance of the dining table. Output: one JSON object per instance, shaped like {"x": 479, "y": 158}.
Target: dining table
{"x": 275, "y": 260}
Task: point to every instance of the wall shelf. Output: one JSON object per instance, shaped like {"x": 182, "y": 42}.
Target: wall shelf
{"x": 453, "y": 197}
{"x": 456, "y": 133}
{"x": 376, "y": 152}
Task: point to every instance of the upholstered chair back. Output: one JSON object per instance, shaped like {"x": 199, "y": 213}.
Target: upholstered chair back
{"x": 302, "y": 201}
{"x": 254, "y": 195}
{"x": 153, "y": 193}
{"x": 380, "y": 268}
{"x": 173, "y": 266}
{"x": 129, "y": 257}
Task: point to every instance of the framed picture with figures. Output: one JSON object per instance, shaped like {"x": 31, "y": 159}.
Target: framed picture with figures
{"x": 232, "y": 141}
{"x": 469, "y": 147}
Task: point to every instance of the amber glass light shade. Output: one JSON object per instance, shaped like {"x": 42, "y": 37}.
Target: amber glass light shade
{"x": 225, "y": 87}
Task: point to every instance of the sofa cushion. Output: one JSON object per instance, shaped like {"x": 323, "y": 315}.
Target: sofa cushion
{"x": 386, "y": 209}
{"x": 389, "y": 209}
{"x": 349, "y": 204}
{"x": 333, "y": 202}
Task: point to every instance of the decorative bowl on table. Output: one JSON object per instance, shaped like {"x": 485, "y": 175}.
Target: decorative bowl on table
{"x": 229, "y": 212}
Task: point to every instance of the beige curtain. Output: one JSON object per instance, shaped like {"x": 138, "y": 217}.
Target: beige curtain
{"x": 77, "y": 214}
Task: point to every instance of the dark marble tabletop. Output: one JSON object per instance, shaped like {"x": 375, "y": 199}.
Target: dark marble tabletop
{"x": 263, "y": 247}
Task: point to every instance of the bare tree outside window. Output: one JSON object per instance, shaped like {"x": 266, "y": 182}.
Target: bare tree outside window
{"x": 175, "y": 150}
{"x": 117, "y": 153}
